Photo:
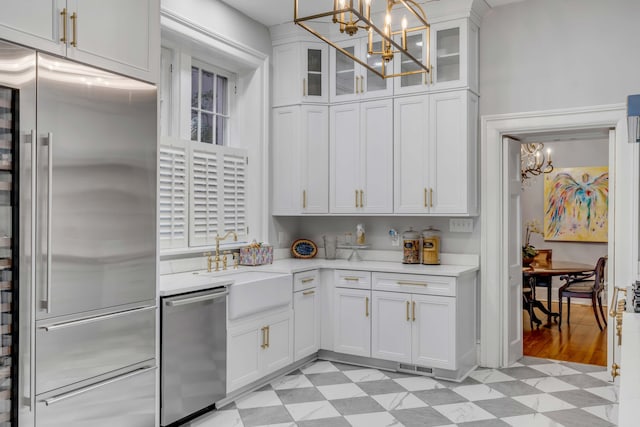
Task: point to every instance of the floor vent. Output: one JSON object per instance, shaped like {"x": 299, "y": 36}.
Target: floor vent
{"x": 413, "y": 369}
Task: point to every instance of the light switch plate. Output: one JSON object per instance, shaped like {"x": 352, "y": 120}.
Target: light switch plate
{"x": 461, "y": 225}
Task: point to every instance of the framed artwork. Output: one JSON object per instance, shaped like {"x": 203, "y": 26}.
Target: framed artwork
{"x": 576, "y": 204}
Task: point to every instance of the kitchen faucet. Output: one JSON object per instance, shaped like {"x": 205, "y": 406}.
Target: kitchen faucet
{"x": 218, "y": 239}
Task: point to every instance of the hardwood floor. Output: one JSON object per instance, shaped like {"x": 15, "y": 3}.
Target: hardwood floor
{"x": 581, "y": 341}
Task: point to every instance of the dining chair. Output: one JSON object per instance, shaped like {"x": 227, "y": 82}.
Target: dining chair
{"x": 580, "y": 285}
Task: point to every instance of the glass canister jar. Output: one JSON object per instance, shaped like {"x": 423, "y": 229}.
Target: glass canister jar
{"x": 431, "y": 246}
{"x": 411, "y": 247}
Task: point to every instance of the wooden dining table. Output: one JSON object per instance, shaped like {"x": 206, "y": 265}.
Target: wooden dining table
{"x": 535, "y": 272}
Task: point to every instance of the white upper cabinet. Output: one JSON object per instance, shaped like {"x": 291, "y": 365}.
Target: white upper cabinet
{"x": 117, "y": 35}
{"x": 351, "y": 81}
{"x": 435, "y": 154}
{"x": 300, "y": 73}
{"x": 361, "y": 157}
{"x": 300, "y": 160}
{"x": 453, "y": 50}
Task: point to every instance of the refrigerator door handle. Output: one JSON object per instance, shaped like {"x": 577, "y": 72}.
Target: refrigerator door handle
{"x": 46, "y": 299}
{"x": 65, "y": 396}
{"x": 62, "y": 325}
{"x": 32, "y": 267}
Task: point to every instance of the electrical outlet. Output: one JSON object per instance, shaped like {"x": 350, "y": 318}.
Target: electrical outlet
{"x": 461, "y": 225}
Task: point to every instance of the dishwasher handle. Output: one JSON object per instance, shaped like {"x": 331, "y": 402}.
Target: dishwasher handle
{"x": 199, "y": 298}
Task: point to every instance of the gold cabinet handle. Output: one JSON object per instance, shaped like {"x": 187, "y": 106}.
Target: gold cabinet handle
{"x": 308, "y": 279}
{"x": 268, "y": 336}
{"x": 361, "y": 84}
{"x": 425, "y": 197}
{"x": 431, "y": 74}
{"x": 408, "y": 318}
{"x": 352, "y": 279}
{"x": 357, "y": 199}
{"x": 63, "y": 14}
{"x": 361, "y": 198}
{"x": 366, "y": 306}
{"x": 264, "y": 337}
{"x": 74, "y": 21}
{"x": 407, "y": 283}
{"x": 413, "y": 310}
{"x": 308, "y": 292}
{"x": 304, "y": 199}
{"x": 304, "y": 87}
{"x": 431, "y": 197}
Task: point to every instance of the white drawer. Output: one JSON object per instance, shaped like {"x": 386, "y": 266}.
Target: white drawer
{"x": 306, "y": 280}
{"x": 415, "y": 283}
{"x": 352, "y": 279}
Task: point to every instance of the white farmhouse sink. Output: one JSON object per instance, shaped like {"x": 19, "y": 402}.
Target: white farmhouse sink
{"x": 255, "y": 291}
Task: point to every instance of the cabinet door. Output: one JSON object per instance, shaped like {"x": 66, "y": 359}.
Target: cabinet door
{"x": 286, "y": 193}
{"x": 306, "y": 305}
{"x": 449, "y": 162}
{"x": 119, "y": 35}
{"x": 33, "y": 23}
{"x": 314, "y": 69}
{"x": 243, "y": 356}
{"x": 411, "y": 154}
{"x": 314, "y": 165}
{"x": 279, "y": 350}
{"x": 434, "y": 331}
{"x": 376, "y": 164}
{"x": 370, "y": 84}
{"x": 352, "y": 322}
{"x": 344, "y": 174}
{"x": 287, "y": 86}
{"x": 345, "y": 73}
{"x": 411, "y": 83}
{"x": 391, "y": 326}
{"x": 449, "y": 54}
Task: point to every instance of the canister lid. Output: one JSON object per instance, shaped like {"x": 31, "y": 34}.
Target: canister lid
{"x": 430, "y": 232}
{"x": 410, "y": 234}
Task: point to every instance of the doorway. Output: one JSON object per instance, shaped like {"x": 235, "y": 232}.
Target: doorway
{"x": 497, "y": 314}
{"x": 564, "y": 222}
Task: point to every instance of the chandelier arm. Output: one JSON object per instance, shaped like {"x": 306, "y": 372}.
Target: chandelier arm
{"x": 422, "y": 18}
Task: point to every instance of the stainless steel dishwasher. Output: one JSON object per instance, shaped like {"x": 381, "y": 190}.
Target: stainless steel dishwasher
{"x": 193, "y": 355}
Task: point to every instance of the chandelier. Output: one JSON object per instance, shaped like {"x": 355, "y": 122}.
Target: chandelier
{"x": 354, "y": 15}
{"x": 533, "y": 161}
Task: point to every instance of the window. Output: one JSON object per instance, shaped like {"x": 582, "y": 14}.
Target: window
{"x": 209, "y": 105}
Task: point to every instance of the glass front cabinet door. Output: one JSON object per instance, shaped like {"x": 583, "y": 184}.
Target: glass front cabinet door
{"x": 300, "y": 74}
{"x": 453, "y": 50}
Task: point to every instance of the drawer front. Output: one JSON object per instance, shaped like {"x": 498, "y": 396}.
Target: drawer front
{"x": 79, "y": 350}
{"x": 415, "y": 284}
{"x": 352, "y": 279}
{"x": 124, "y": 401}
{"x": 306, "y": 280}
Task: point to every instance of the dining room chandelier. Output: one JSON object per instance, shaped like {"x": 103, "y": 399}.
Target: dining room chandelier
{"x": 351, "y": 16}
{"x": 533, "y": 160}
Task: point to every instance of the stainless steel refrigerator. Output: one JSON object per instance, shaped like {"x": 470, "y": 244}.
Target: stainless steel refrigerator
{"x": 77, "y": 244}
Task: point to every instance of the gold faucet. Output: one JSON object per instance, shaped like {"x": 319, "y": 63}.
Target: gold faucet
{"x": 208, "y": 255}
{"x": 218, "y": 239}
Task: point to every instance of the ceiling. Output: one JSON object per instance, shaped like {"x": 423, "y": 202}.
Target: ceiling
{"x": 273, "y": 12}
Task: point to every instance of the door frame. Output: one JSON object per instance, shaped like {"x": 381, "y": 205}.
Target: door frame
{"x": 623, "y": 210}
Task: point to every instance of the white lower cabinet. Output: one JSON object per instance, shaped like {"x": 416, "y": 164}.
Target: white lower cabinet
{"x": 306, "y": 306}
{"x": 391, "y": 317}
{"x": 258, "y": 347}
{"x": 433, "y": 331}
{"x": 352, "y": 322}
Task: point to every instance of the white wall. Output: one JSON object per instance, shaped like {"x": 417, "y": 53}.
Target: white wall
{"x": 565, "y": 154}
{"x": 548, "y": 54}
{"x": 219, "y": 18}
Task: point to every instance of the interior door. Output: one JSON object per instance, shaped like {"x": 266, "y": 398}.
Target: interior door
{"x": 513, "y": 245}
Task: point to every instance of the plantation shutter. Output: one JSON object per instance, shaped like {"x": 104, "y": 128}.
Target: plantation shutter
{"x": 204, "y": 207}
{"x": 234, "y": 213}
{"x": 172, "y": 198}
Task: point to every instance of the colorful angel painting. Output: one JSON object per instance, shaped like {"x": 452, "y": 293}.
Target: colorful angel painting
{"x": 576, "y": 204}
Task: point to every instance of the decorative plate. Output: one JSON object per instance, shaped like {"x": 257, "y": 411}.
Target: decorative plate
{"x": 304, "y": 248}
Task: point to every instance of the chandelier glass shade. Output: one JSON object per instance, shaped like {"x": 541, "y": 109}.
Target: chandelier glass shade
{"x": 533, "y": 160}
{"x": 351, "y": 16}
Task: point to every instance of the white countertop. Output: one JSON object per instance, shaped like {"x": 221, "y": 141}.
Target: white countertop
{"x": 177, "y": 283}
{"x": 630, "y": 371}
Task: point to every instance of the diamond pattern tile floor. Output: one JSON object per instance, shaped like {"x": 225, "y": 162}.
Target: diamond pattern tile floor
{"x": 533, "y": 392}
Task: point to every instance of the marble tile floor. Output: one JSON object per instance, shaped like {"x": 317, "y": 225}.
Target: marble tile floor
{"x": 533, "y": 392}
